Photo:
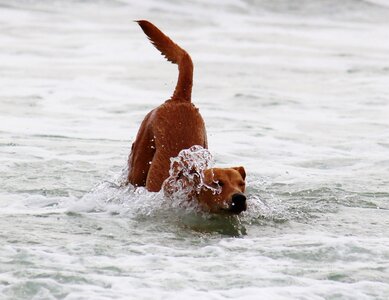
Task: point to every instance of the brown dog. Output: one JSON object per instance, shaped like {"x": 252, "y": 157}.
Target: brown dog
{"x": 176, "y": 125}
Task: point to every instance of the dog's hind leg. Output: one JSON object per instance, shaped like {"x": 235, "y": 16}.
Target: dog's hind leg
{"x": 158, "y": 172}
{"x": 142, "y": 154}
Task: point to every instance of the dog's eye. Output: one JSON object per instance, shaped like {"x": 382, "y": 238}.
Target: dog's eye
{"x": 221, "y": 183}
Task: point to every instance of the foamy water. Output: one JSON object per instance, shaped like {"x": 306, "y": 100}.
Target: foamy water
{"x": 295, "y": 91}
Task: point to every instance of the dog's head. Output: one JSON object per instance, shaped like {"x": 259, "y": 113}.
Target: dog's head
{"x": 230, "y": 186}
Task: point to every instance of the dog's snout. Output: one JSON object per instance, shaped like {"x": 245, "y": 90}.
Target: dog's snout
{"x": 238, "y": 203}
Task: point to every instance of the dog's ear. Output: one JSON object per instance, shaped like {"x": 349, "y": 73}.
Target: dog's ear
{"x": 241, "y": 171}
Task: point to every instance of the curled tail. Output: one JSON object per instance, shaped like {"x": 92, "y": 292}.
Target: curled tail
{"x": 174, "y": 54}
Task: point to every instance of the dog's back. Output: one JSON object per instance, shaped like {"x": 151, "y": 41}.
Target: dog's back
{"x": 171, "y": 127}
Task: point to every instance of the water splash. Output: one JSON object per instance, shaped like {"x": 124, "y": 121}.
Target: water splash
{"x": 186, "y": 176}
{"x": 114, "y": 197}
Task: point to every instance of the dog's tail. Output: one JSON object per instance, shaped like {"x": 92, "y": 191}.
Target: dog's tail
{"x": 176, "y": 55}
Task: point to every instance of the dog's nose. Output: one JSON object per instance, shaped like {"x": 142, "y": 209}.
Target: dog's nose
{"x": 238, "y": 203}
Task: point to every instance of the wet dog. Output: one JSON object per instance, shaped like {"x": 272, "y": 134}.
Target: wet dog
{"x": 176, "y": 125}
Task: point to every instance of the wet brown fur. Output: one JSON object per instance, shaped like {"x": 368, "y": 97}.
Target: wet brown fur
{"x": 171, "y": 127}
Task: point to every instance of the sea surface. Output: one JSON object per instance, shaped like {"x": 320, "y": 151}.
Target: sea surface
{"x": 297, "y": 92}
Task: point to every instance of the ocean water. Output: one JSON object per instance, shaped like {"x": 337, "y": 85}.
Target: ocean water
{"x": 295, "y": 91}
